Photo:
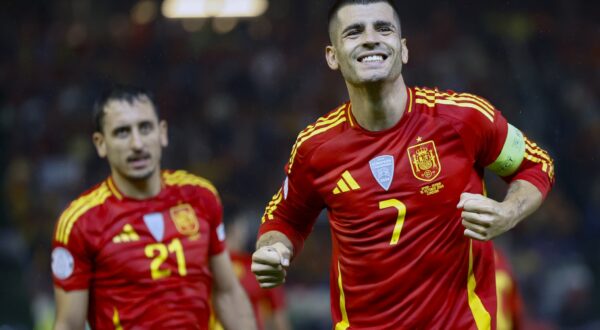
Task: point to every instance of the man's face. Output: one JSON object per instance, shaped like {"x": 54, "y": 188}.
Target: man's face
{"x": 367, "y": 45}
{"x": 132, "y": 138}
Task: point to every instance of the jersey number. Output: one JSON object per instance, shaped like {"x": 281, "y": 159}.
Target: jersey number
{"x": 398, "y": 205}
{"x": 159, "y": 252}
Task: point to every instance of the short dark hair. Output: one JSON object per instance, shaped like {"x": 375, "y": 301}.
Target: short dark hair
{"x": 335, "y": 7}
{"x": 119, "y": 93}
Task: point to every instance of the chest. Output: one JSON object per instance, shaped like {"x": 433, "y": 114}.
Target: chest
{"x": 420, "y": 166}
{"x": 152, "y": 241}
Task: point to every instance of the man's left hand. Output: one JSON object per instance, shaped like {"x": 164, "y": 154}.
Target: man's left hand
{"x": 484, "y": 218}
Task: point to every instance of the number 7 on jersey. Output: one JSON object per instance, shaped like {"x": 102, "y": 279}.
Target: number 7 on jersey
{"x": 398, "y": 205}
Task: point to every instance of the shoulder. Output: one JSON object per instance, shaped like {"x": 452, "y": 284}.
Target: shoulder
{"x": 319, "y": 132}
{"x": 454, "y": 106}
{"x": 188, "y": 181}
{"x": 81, "y": 208}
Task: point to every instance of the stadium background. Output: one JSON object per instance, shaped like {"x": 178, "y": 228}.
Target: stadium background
{"x": 237, "y": 91}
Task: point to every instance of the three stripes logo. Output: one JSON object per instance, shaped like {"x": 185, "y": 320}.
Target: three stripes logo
{"x": 346, "y": 183}
{"x": 127, "y": 235}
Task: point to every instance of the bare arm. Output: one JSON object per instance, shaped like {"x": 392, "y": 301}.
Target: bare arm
{"x": 484, "y": 218}
{"x": 71, "y": 309}
{"x": 271, "y": 258}
{"x": 230, "y": 301}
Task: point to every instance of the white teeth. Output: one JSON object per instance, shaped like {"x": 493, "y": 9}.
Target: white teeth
{"x": 373, "y": 58}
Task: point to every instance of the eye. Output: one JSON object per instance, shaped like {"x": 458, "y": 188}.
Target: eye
{"x": 121, "y": 132}
{"x": 385, "y": 29}
{"x": 352, "y": 34}
{"x": 146, "y": 127}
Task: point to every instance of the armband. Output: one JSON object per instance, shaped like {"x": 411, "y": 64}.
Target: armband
{"x": 512, "y": 153}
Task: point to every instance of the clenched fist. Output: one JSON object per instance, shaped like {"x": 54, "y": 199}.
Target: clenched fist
{"x": 269, "y": 264}
{"x": 485, "y": 218}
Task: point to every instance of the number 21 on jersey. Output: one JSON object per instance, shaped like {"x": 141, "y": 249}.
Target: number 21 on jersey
{"x": 159, "y": 252}
{"x": 401, "y": 208}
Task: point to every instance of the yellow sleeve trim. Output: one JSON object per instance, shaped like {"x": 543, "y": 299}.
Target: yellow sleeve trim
{"x": 77, "y": 208}
{"x": 512, "y": 154}
{"x": 430, "y": 98}
{"x": 322, "y": 125}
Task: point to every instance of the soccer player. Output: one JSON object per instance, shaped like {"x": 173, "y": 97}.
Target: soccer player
{"x": 400, "y": 171}
{"x": 144, "y": 248}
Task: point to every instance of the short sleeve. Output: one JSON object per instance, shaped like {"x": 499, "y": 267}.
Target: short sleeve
{"x": 71, "y": 260}
{"x": 502, "y": 148}
{"x": 295, "y": 207}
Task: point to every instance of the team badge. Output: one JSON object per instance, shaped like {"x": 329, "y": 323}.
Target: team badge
{"x": 424, "y": 161}
{"x": 185, "y": 219}
{"x": 156, "y": 224}
{"x": 62, "y": 263}
{"x": 382, "y": 168}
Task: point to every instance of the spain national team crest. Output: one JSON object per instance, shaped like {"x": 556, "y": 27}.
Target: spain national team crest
{"x": 185, "y": 220}
{"x": 382, "y": 168}
{"x": 424, "y": 161}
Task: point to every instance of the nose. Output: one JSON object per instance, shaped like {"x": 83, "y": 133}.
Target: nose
{"x": 370, "y": 38}
{"x": 136, "y": 142}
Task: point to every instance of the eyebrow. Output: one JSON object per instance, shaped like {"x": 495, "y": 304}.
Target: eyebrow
{"x": 384, "y": 24}
{"x": 377, "y": 24}
{"x": 352, "y": 27}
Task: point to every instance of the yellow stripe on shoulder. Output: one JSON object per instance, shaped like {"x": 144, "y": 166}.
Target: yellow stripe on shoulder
{"x": 78, "y": 208}
{"x": 183, "y": 178}
{"x": 323, "y": 124}
{"x": 430, "y": 98}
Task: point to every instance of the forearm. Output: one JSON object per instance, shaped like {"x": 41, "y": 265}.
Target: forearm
{"x": 233, "y": 309}
{"x": 522, "y": 199}
{"x": 273, "y": 237}
{"x": 71, "y": 309}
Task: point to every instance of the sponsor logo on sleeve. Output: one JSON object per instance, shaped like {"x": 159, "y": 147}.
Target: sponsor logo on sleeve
{"x": 62, "y": 263}
{"x": 285, "y": 187}
{"x": 221, "y": 232}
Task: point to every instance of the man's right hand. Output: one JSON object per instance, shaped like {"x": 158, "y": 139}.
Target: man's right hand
{"x": 269, "y": 264}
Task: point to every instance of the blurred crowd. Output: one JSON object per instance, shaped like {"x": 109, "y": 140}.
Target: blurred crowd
{"x": 237, "y": 91}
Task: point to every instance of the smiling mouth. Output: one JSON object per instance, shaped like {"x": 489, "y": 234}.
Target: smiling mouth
{"x": 374, "y": 58}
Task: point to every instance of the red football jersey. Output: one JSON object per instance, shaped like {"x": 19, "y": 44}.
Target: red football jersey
{"x": 510, "y": 304}
{"x": 144, "y": 262}
{"x": 400, "y": 259}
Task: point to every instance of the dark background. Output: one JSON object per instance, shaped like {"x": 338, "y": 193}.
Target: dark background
{"x": 236, "y": 93}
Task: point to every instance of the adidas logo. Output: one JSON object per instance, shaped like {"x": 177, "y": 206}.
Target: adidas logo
{"x": 127, "y": 235}
{"x": 346, "y": 183}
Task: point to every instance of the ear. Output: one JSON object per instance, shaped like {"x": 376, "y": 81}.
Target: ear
{"x": 164, "y": 137}
{"x": 331, "y": 58}
{"x": 404, "y": 54}
{"x": 100, "y": 144}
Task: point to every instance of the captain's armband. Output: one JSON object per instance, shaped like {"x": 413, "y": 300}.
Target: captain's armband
{"x": 512, "y": 153}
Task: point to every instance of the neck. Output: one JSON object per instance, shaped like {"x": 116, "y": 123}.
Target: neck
{"x": 138, "y": 189}
{"x": 379, "y": 106}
